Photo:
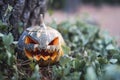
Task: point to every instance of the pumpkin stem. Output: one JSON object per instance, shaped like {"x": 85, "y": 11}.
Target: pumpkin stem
{"x": 42, "y": 24}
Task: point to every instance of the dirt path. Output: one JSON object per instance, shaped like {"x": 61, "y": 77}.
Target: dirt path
{"x": 107, "y": 16}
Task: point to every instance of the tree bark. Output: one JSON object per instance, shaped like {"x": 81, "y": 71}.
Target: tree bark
{"x": 24, "y": 11}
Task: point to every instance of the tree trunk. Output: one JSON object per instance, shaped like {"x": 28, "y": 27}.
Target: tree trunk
{"x": 24, "y": 11}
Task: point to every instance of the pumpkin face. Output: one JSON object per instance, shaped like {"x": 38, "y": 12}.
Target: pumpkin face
{"x": 42, "y": 44}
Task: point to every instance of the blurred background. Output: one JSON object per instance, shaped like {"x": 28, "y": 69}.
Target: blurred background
{"x": 89, "y": 53}
{"x": 105, "y": 13}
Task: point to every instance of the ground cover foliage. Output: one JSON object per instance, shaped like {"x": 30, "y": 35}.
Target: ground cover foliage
{"x": 90, "y": 54}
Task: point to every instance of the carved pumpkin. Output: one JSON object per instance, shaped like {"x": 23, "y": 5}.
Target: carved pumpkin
{"x": 41, "y": 43}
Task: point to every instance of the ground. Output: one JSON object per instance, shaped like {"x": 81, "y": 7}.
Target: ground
{"x": 107, "y": 16}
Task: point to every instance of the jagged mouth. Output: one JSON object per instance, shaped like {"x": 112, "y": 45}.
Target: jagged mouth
{"x": 51, "y": 52}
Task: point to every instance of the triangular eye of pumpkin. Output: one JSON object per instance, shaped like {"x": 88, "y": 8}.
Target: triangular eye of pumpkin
{"x": 55, "y": 41}
{"x": 30, "y": 40}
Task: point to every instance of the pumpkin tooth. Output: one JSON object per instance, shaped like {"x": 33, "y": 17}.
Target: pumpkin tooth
{"x": 35, "y": 47}
{"x": 51, "y": 51}
{"x": 48, "y": 51}
{"x": 58, "y": 50}
{"x": 41, "y": 59}
{"x": 55, "y": 48}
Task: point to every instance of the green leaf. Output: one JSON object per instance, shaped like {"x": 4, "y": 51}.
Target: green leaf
{"x": 102, "y": 60}
{"x": 10, "y": 8}
{"x": 32, "y": 65}
{"x": 9, "y": 54}
{"x": 7, "y": 39}
{"x": 1, "y": 35}
{"x": 113, "y": 61}
{"x": 76, "y": 64}
{"x": 36, "y": 75}
{"x": 37, "y": 68}
{"x": 66, "y": 49}
{"x": 20, "y": 29}
{"x": 64, "y": 60}
{"x": 67, "y": 69}
{"x": 91, "y": 75}
{"x": 112, "y": 72}
{"x": 107, "y": 38}
{"x": 110, "y": 47}
{"x": 53, "y": 24}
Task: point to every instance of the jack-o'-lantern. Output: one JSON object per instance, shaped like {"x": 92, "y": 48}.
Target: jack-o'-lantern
{"x": 41, "y": 43}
